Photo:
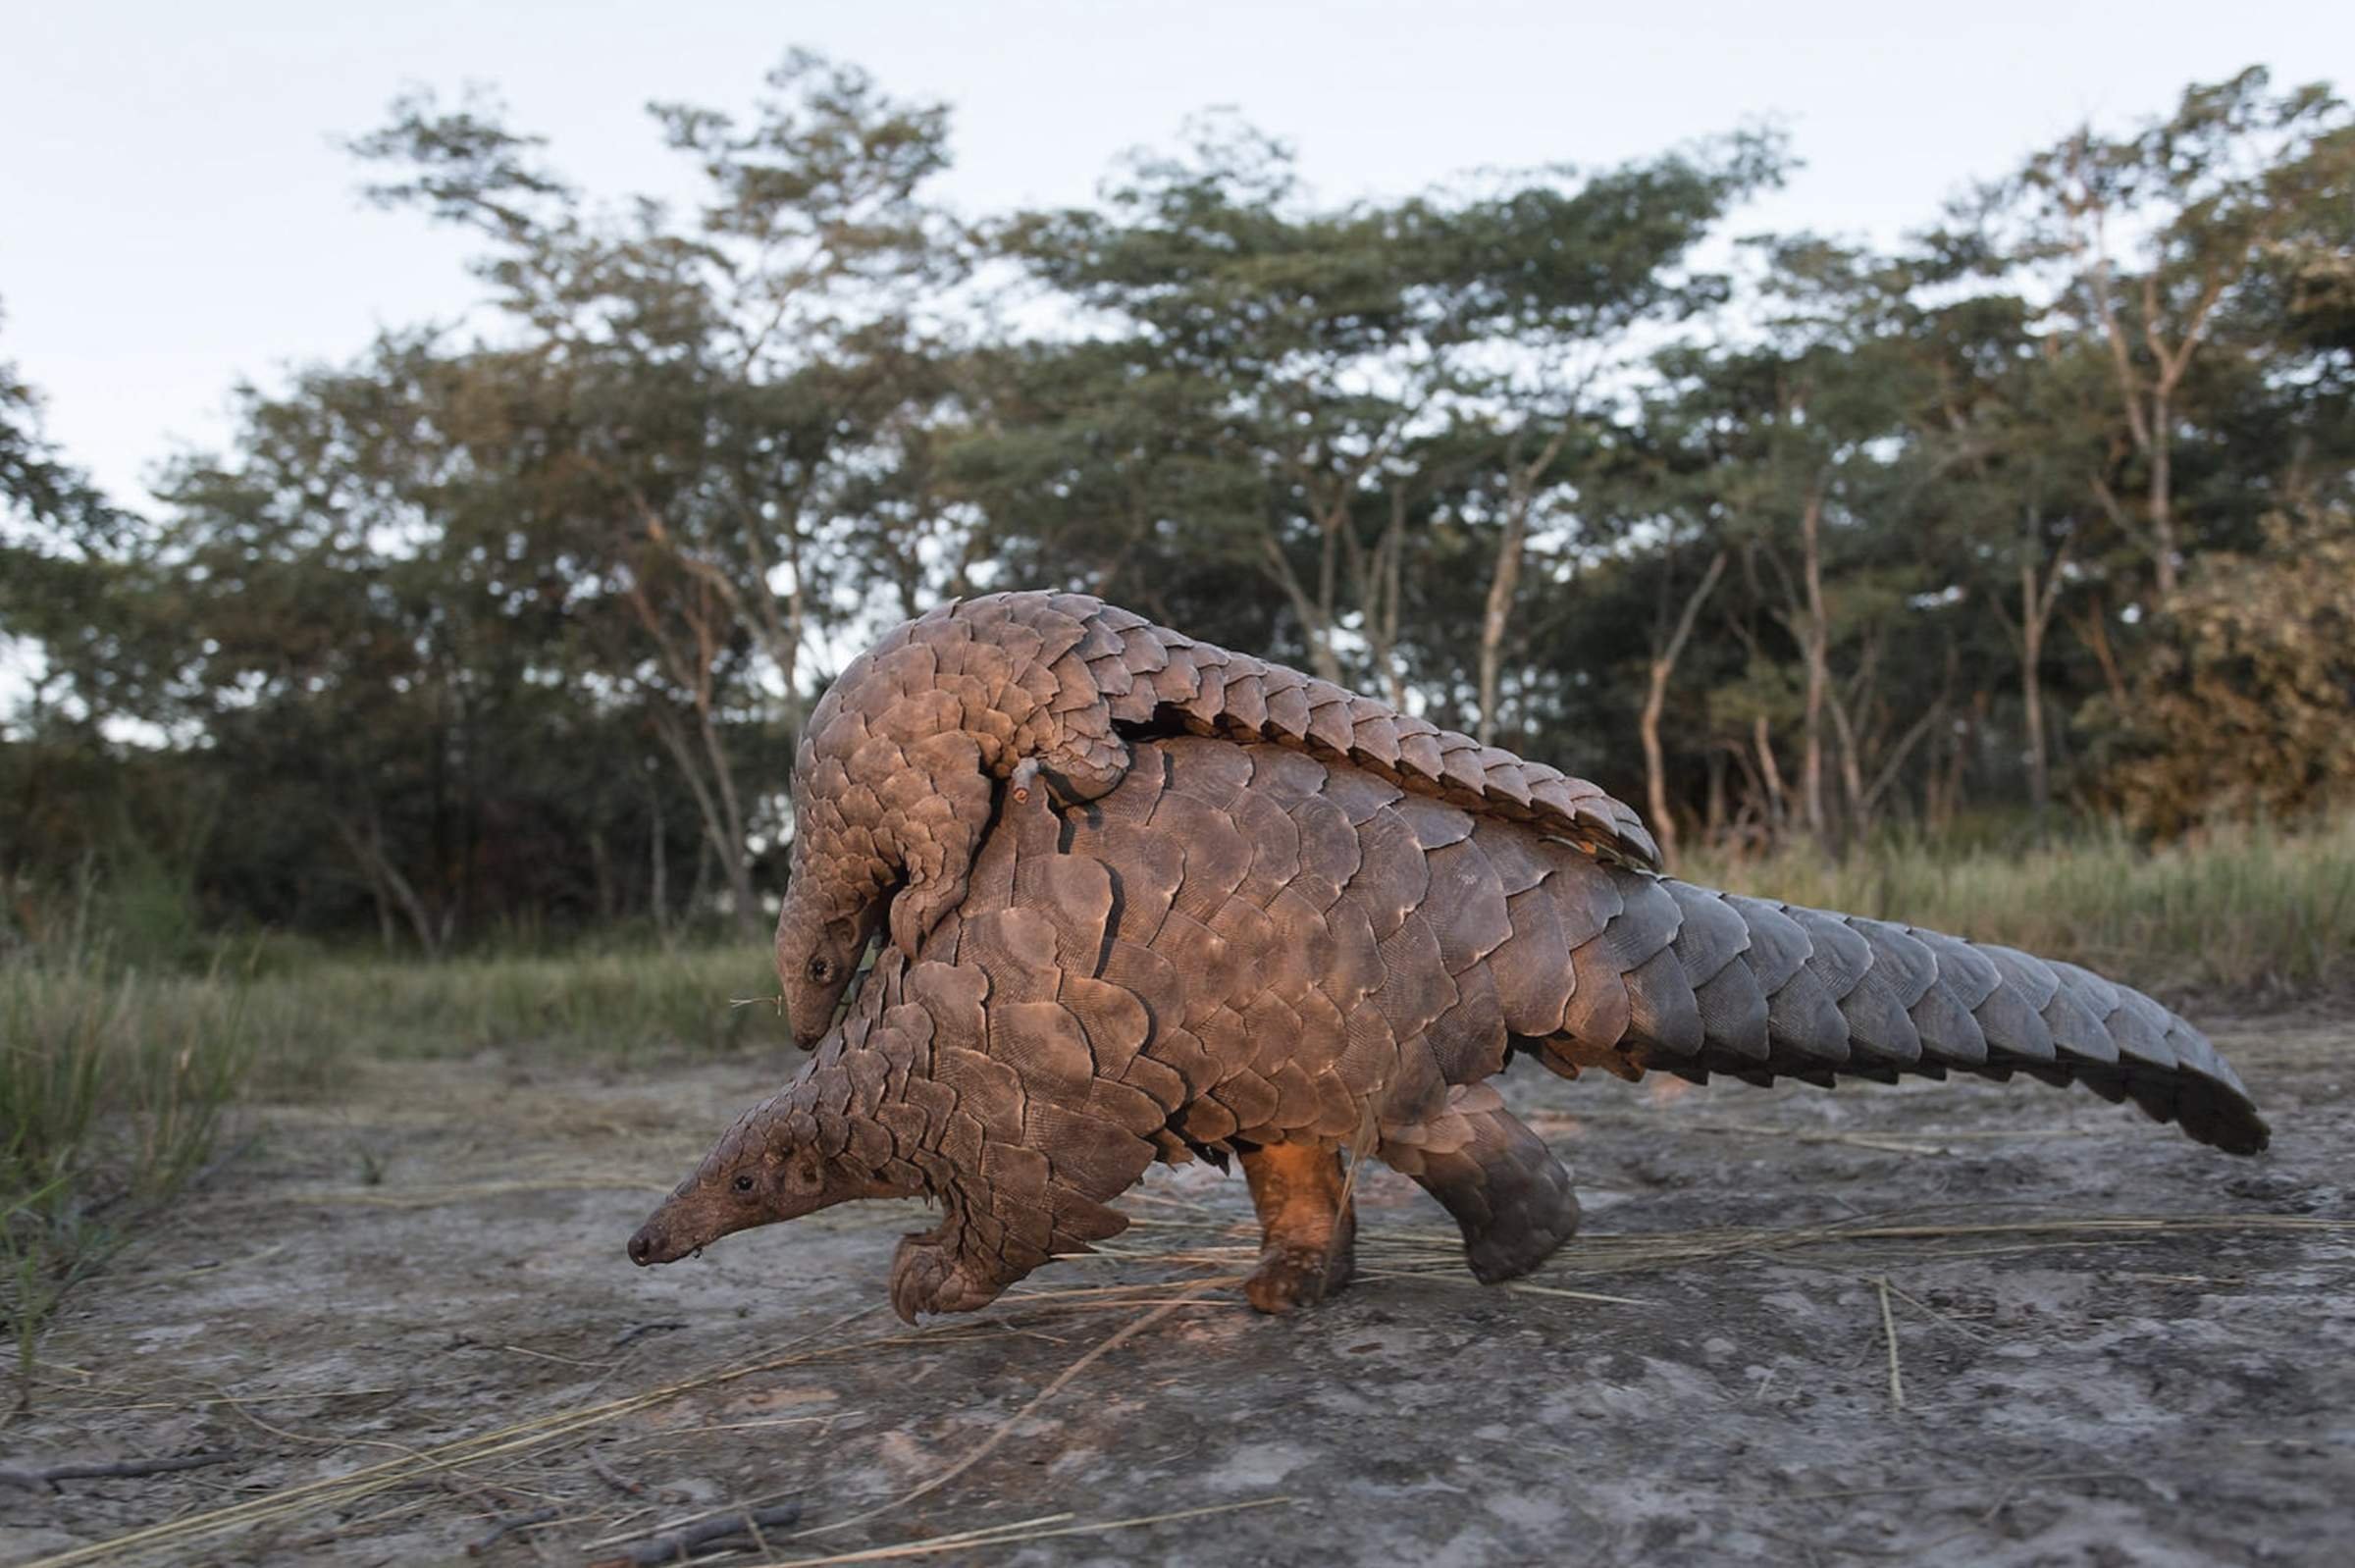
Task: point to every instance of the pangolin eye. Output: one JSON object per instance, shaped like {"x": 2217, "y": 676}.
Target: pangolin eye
{"x": 744, "y": 1183}
{"x": 820, "y": 970}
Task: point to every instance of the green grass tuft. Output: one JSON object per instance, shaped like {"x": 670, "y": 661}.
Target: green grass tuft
{"x": 112, "y": 1086}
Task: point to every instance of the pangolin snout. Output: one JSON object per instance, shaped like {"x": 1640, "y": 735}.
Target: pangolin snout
{"x": 648, "y": 1246}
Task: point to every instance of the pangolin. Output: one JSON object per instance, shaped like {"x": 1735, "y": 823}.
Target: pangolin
{"x": 1242, "y": 949}
{"x": 897, "y": 771}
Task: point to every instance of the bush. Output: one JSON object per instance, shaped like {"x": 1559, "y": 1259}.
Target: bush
{"x": 2243, "y": 707}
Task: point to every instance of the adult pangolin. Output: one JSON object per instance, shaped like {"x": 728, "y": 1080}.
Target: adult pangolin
{"x": 897, "y": 774}
{"x": 1243, "y": 949}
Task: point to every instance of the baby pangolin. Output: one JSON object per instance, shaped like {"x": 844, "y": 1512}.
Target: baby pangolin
{"x": 899, "y": 766}
{"x": 1243, "y": 950}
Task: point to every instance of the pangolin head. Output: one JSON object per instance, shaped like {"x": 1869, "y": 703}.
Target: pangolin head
{"x": 767, "y": 1168}
{"x": 820, "y": 940}
{"x": 773, "y": 1164}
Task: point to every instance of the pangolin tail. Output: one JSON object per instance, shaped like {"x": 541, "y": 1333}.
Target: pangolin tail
{"x": 1761, "y": 990}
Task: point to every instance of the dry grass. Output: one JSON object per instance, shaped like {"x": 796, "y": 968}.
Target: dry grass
{"x": 113, "y": 1079}
{"x": 609, "y": 1004}
{"x": 109, "y": 1101}
{"x": 2254, "y": 909}
{"x": 1200, "y": 1252}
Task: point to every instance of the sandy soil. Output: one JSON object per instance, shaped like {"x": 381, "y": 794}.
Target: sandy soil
{"x": 408, "y": 1318}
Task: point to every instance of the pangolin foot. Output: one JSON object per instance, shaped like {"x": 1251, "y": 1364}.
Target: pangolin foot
{"x": 928, "y": 1278}
{"x": 1508, "y": 1251}
{"x": 1290, "y": 1276}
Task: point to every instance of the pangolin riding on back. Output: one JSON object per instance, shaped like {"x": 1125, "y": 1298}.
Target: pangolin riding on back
{"x": 898, "y": 769}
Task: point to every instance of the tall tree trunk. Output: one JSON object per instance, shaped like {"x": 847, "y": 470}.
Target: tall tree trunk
{"x": 2031, "y": 699}
{"x": 753, "y": 605}
{"x": 734, "y": 852}
{"x": 1776, "y": 810}
{"x": 2040, "y": 594}
{"x": 1505, "y": 581}
{"x": 703, "y": 877}
{"x": 387, "y": 931}
{"x": 1712, "y": 823}
{"x": 2149, "y": 404}
{"x": 1815, "y": 646}
{"x": 1870, "y": 803}
{"x": 1314, "y": 617}
{"x": 723, "y": 828}
{"x": 1944, "y": 796}
{"x": 2093, "y": 630}
{"x": 600, "y": 872}
{"x": 715, "y": 798}
{"x": 657, "y": 850}
{"x": 1393, "y": 579}
{"x": 1855, "y": 818}
{"x": 1377, "y": 591}
{"x": 1655, "y": 699}
{"x": 1522, "y": 480}
{"x": 2162, "y": 497}
{"x": 365, "y": 838}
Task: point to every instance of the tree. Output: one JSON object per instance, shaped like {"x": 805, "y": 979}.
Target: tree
{"x": 702, "y": 397}
{"x": 64, "y": 549}
{"x": 518, "y": 624}
{"x": 2004, "y": 439}
{"x": 1360, "y": 388}
{"x": 2156, "y": 234}
{"x": 1668, "y": 640}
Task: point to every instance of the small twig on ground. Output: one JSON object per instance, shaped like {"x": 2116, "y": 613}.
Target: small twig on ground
{"x": 614, "y": 1478}
{"x": 703, "y": 1536}
{"x": 44, "y": 1478}
{"x": 1008, "y": 1535}
{"x": 638, "y": 1330}
{"x": 562, "y": 1361}
{"x": 1897, "y": 1384}
{"x": 507, "y": 1526}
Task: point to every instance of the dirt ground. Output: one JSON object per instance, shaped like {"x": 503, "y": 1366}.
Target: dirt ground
{"x": 408, "y": 1317}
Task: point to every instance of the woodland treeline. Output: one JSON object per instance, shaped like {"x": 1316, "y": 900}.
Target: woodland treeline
{"x": 510, "y": 623}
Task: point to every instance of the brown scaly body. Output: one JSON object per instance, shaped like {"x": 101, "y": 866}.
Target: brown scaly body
{"x": 1241, "y": 949}
{"x": 894, "y": 783}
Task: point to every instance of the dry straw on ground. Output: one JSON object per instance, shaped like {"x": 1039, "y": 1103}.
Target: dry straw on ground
{"x": 1193, "y": 1265}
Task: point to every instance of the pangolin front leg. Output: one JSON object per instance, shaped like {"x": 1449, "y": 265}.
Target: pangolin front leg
{"x": 1308, "y": 1230}
{"x": 968, "y": 1259}
{"x": 932, "y": 1274}
{"x": 1508, "y": 1194}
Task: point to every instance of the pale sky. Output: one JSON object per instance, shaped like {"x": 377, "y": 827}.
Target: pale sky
{"x": 175, "y": 212}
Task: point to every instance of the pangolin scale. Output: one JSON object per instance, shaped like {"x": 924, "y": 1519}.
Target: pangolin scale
{"x": 1243, "y": 949}
{"x": 895, "y": 778}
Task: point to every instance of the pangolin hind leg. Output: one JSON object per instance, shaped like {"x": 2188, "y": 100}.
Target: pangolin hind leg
{"x": 1308, "y": 1231}
{"x": 1508, "y": 1194}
